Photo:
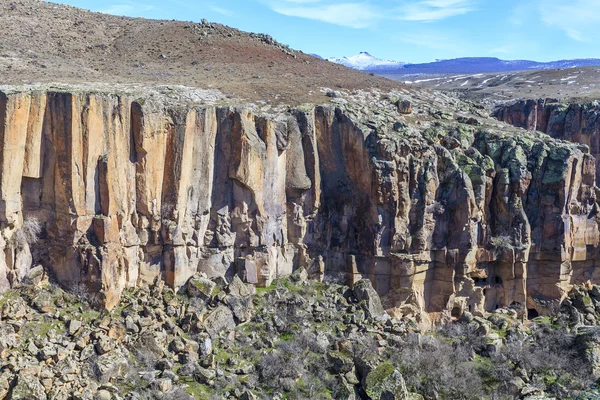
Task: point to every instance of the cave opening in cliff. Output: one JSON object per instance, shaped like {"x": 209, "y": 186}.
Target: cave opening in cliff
{"x": 481, "y": 282}
{"x": 532, "y": 313}
{"x": 456, "y": 312}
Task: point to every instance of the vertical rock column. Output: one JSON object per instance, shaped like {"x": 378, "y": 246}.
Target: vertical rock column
{"x": 15, "y": 257}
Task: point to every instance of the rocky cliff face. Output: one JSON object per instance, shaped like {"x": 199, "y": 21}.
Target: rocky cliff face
{"x": 578, "y": 123}
{"x": 440, "y": 214}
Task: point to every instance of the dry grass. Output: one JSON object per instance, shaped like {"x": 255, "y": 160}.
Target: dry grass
{"x": 44, "y": 42}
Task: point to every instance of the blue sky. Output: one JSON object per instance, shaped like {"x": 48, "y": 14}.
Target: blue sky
{"x": 403, "y": 30}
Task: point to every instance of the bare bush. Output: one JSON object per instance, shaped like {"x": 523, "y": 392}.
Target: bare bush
{"x": 81, "y": 291}
{"x": 554, "y": 350}
{"x": 29, "y": 233}
{"x": 502, "y": 242}
{"x": 284, "y": 362}
{"x": 436, "y": 208}
{"x": 335, "y": 278}
{"x": 438, "y": 369}
{"x": 465, "y": 336}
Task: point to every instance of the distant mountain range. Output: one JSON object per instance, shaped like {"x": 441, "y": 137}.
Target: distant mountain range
{"x": 467, "y": 65}
{"x": 366, "y": 62}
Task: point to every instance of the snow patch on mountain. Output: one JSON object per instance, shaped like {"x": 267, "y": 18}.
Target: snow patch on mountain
{"x": 366, "y": 62}
{"x": 466, "y": 65}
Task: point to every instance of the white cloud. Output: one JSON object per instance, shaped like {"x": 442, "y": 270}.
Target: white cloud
{"x": 434, "y": 10}
{"x": 118, "y": 9}
{"x": 354, "y": 15}
{"x": 301, "y": 1}
{"x": 500, "y": 50}
{"x": 131, "y": 9}
{"x": 579, "y": 19}
{"x": 432, "y": 40}
{"x": 364, "y": 14}
{"x": 222, "y": 11}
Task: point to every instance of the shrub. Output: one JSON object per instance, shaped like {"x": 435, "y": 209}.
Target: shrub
{"x": 81, "y": 292}
{"x": 284, "y": 362}
{"x": 29, "y": 233}
{"x": 436, "y": 208}
{"x": 502, "y": 242}
{"x": 438, "y": 369}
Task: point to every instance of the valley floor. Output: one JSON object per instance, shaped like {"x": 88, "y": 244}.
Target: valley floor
{"x": 298, "y": 339}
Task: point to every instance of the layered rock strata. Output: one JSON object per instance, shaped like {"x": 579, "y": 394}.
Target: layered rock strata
{"x": 441, "y": 216}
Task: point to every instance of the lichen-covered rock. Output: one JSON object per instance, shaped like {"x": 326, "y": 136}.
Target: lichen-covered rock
{"x": 220, "y": 320}
{"x": 588, "y": 343}
{"x": 241, "y": 307}
{"x": 201, "y": 287}
{"x": 385, "y": 382}
{"x": 238, "y": 288}
{"x": 8, "y": 338}
{"x": 28, "y": 387}
{"x": 109, "y": 365}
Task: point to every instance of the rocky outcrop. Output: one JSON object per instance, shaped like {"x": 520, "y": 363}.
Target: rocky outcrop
{"x": 578, "y": 123}
{"x": 441, "y": 216}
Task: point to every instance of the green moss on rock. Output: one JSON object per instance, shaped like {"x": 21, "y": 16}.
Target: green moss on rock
{"x": 385, "y": 381}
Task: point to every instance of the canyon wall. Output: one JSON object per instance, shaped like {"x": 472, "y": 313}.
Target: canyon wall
{"x": 441, "y": 216}
{"x": 578, "y": 123}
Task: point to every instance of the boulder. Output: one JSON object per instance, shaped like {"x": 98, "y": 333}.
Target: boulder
{"x": 299, "y": 275}
{"x": 162, "y": 385}
{"x": 35, "y": 275}
{"x": 28, "y": 387}
{"x": 14, "y": 309}
{"x": 238, "y": 288}
{"x": 385, "y": 382}
{"x": 246, "y": 269}
{"x": 8, "y": 337}
{"x": 105, "y": 344}
{"x": 200, "y": 287}
{"x": 188, "y": 369}
{"x": 369, "y": 299}
{"x": 110, "y": 365}
{"x": 73, "y": 327}
{"x": 242, "y": 307}
{"x": 340, "y": 363}
{"x": 103, "y": 395}
{"x": 588, "y": 344}
{"x": 204, "y": 375}
{"x": 404, "y": 107}
{"x": 219, "y": 320}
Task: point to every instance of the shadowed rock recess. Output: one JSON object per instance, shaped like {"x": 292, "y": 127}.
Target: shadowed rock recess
{"x": 441, "y": 210}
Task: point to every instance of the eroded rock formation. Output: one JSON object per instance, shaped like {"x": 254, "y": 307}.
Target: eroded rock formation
{"x": 441, "y": 216}
{"x": 578, "y": 123}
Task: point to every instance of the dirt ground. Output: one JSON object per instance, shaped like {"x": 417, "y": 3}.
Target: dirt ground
{"x": 45, "y": 42}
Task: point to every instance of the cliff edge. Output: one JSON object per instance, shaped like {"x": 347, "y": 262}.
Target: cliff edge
{"x": 443, "y": 209}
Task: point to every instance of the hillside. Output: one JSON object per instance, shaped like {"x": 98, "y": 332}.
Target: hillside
{"x": 45, "y": 42}
{"x": 570, "y": 85}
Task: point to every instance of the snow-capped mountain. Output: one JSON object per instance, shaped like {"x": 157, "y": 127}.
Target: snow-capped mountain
{"x": 366, "y": 62}
{"x": 468, "y": 65}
